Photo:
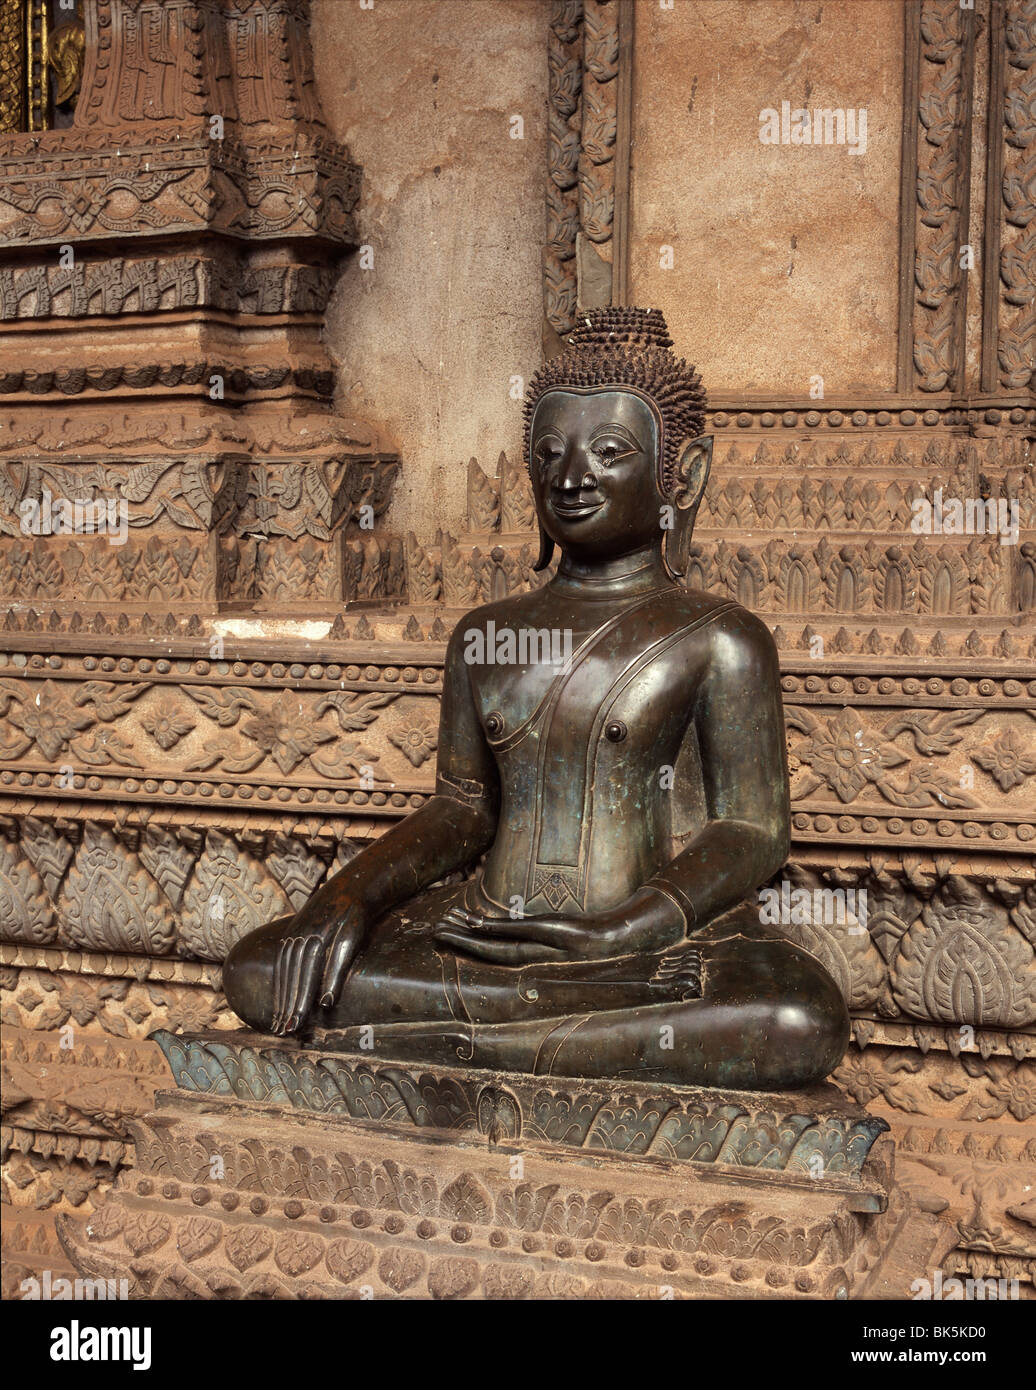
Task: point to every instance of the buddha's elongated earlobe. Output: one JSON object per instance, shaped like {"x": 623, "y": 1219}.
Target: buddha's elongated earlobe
{"x": 546, "y": 549}
{"x": 690, "y": 476}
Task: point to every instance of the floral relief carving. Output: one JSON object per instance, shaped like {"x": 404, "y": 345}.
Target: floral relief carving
{"x": 166, "y": 722}
{"x": 285, "y": 728}
{"x": 50, "y": 719}
{"x": 987, "y": 1089}
{"x": 844, "y": 753}
{"x": 1006, "y": 760}
{"x": 417, "y": 738}
{"x": 42, "y": 1001}
{"x": 285, "y": 732}
{"x": 848, "y": 756}
{"x": 50, "y": 722}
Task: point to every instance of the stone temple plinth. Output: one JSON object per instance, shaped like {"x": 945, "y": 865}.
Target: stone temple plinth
{"x": 282, "y": 1171}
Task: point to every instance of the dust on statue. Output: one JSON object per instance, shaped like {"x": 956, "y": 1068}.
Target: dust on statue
{"x": 627, "y": 803}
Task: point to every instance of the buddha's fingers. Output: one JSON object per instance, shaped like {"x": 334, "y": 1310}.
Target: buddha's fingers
{"x": 282, "y": 983}
{"x": 292, "y": 953}
{"x": 460, "y": 917}
{"x": 546, "y": 930}
{"x": 341, "y": 953}
{"x": 497, "y": 951}
{"x": 278, "y": 989}
{"x": 307, "y": 968}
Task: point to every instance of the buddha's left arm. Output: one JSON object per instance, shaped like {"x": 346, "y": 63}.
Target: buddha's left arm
{"x": 739, "y": 725}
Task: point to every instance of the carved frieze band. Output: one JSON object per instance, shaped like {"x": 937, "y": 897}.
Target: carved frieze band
{"x": 941, "y": 216}
{"x": 584, "y": 59}
{"x": 216, "y": 279}
{"x": 905, "y": 755}
{"x": 872, "y": 563}
{"x": 144, "y": 157}
{"x": 1016, "y": 320}
{"x": 939, "y": 763}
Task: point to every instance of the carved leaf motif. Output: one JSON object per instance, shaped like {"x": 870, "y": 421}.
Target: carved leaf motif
{"x": 110, "y": 701}
{"x": 422, "y": 580}
{"x": 297, "y": 871}
{"x": 466, "y": 1200}
{"x": 460, "y": 584}
{"x": 964, "y": 963}
{"x": 600, "y": 41}
{"x": 167, "y": 860}
{"x": 197, "y": 1237}
{"x": 507, "y": 1281}
{"x": 346, "y": 759}
{"x": 348, "y": 1259}
{"x": 851, "y": 958}
{"x": 296, "y": 1253}
{"x": 932, "y": 733}
{"x": 106, "y": 1223}
{"x": 562, "y": 219}
{"x": 355, "y": 712}
{"x": 103, "y": 747}
{"x": 598, "y": 127}
{"x": 224, "y": 706}
{"x": 229, "y": 894}
{"x": 400, "y": 1269}
{"x": 110, "y": 902}
{"x": 559, "y": 291}
{"x": 453, "y": 1278}
{"x": 26, "y": 911}
{"x": 483, "y": 500}
{"x": 146, "y": 1231}
{"x": 247, "y": 1246}
{"x": 596, "y": 205}
{"x": 137, "y": 484}
{"x": 228, "y": 755}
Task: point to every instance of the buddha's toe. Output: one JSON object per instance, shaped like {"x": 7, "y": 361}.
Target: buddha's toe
{"x": 248, "y": 975}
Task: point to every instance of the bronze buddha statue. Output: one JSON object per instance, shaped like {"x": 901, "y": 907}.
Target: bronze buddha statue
{"x": 627, "y": 802}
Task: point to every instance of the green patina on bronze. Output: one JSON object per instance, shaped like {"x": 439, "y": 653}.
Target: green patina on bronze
{"x": 819, "y": 1138}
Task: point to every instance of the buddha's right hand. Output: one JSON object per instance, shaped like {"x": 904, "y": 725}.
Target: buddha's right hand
{"x": 313, "y": 957}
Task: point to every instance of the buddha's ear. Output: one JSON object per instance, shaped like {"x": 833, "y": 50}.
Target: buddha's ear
{"x": 546, "y": 549}
{"x": 692, "y": 473}
{"x": 689, "y": 479}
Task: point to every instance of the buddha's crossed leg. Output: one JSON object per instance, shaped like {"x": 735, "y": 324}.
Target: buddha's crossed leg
{"x": 735, "y": 1007}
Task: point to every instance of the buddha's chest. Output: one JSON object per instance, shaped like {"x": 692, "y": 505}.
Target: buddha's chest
{"x": 635, "y": 693}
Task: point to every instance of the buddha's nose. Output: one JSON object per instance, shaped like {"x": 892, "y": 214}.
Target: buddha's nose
{"x": 574, "y": 475}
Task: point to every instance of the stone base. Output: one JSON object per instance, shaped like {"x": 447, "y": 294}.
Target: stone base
{"x": 282, "y": 1172}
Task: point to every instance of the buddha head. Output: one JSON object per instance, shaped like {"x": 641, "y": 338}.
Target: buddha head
{"x": 613, "y": 440}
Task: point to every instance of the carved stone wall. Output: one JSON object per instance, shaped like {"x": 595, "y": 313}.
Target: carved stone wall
{"x": 208, "y": 706}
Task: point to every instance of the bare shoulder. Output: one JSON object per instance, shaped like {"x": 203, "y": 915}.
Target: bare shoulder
{"x": 738, "y": 641}
{"x": 515, "y": 611}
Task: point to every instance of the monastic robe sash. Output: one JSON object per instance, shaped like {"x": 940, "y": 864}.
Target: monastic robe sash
{"x": 584, "y": 800}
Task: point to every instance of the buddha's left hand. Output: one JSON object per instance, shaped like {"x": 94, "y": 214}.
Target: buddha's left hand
{"x": 649, "y": 921}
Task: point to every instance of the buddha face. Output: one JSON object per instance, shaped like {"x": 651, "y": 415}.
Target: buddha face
{"x": 594, "y": 470}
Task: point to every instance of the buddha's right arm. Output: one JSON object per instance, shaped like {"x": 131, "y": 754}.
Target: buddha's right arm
{"x": 446, "y": 834}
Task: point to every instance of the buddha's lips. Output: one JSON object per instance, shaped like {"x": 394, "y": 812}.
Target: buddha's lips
{"x": 569, "y": 512}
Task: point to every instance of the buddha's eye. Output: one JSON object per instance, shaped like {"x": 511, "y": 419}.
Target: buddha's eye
{"x": 610, "y": 450}
{"x": 547, "y": 452}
